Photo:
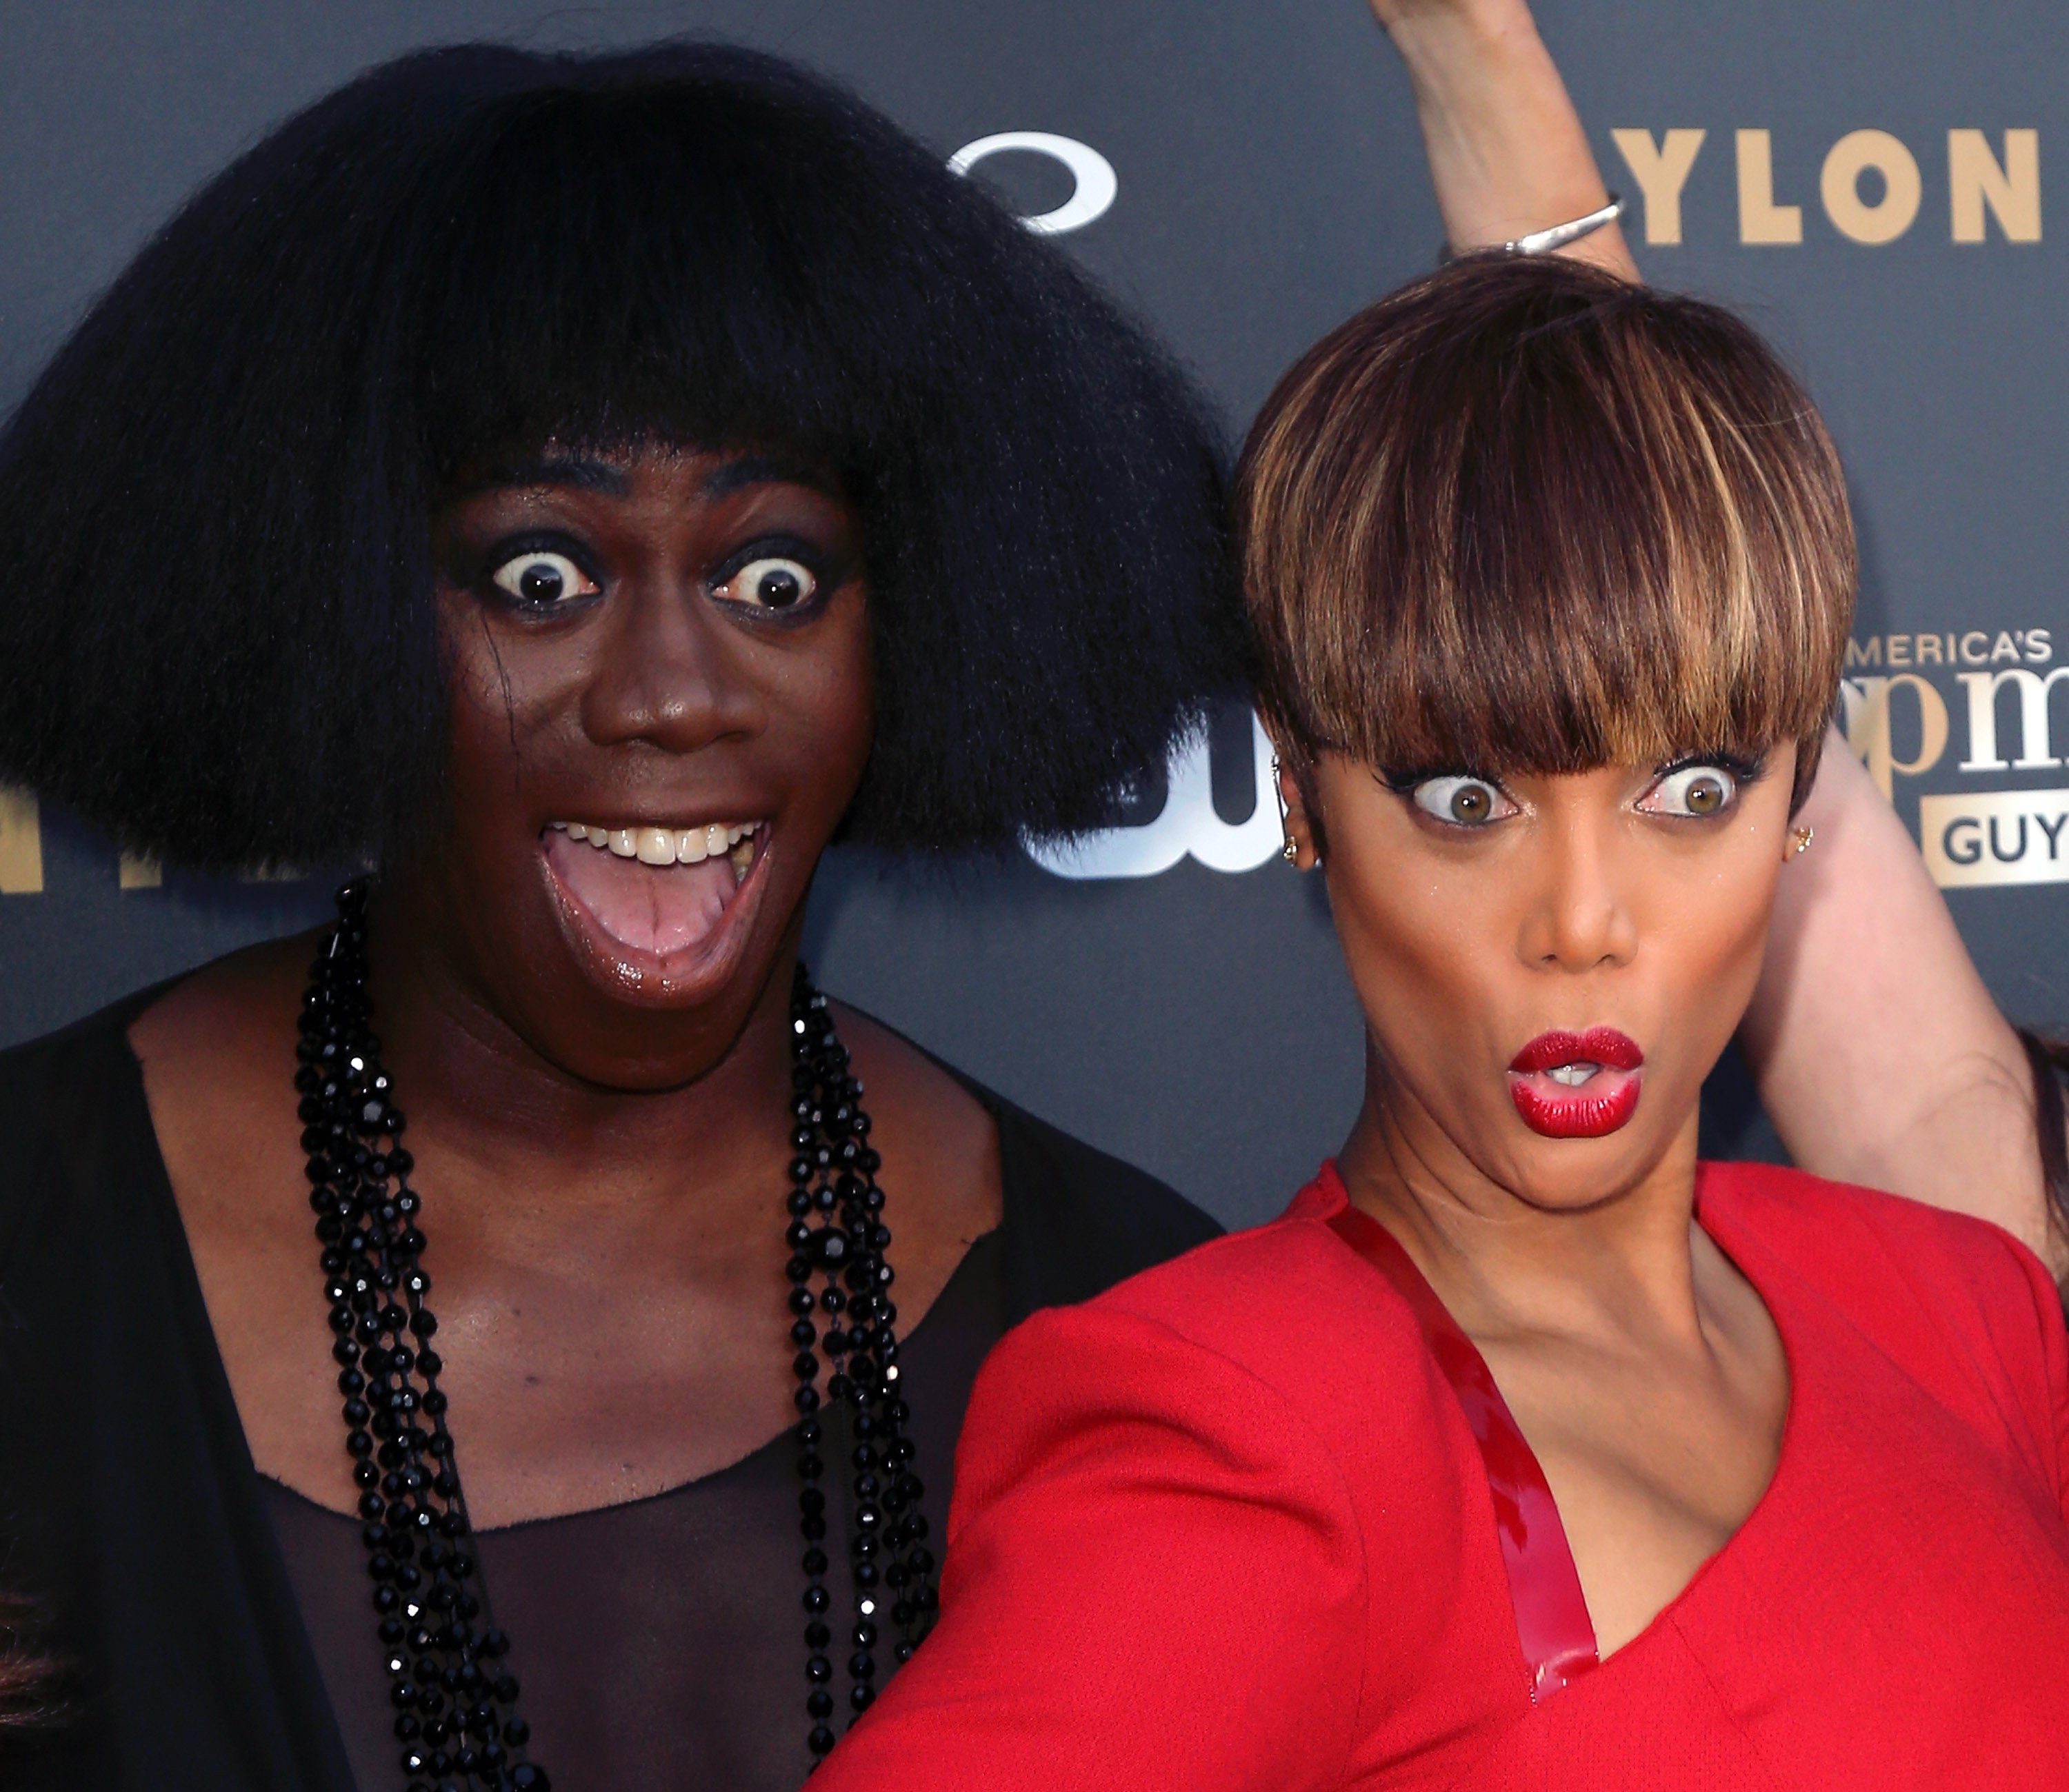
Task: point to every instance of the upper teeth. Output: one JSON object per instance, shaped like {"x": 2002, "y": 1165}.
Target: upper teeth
{"x": 1573, "y": 1075}
{"x": 668, "y": 845}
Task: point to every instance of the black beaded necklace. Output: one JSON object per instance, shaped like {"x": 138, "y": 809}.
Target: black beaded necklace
{"x": 456, "y": 1701}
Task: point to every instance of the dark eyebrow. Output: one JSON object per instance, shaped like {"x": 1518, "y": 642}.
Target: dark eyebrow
{"x": 752, "y": 470}
{"x": 554, "y": 469}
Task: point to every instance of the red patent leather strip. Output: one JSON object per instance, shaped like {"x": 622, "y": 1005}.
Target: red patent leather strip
{"x": 1551, "y": 1620}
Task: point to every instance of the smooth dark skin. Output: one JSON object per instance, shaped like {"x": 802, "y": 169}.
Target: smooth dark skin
{"x": 1642, "y": 1367}
{"x": 600, "y": 1161}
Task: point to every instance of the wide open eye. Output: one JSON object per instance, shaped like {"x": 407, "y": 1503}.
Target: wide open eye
{"x": 1464, "y": 802}
{"x": 541, "y": 579}
{"x": 1697, "y": 791}
{"x": 771, "y": 582}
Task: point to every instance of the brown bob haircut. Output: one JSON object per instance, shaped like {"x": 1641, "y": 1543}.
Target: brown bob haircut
{"x": 1524, "y": 517}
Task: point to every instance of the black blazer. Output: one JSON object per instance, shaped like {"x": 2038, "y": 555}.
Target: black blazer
{"x": 130, "y": 1506}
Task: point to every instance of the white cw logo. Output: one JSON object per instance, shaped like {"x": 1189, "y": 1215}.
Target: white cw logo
{"x": 1186, "y": 828}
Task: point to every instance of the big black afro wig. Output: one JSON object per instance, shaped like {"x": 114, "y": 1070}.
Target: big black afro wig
{"x": 218, "y": 642}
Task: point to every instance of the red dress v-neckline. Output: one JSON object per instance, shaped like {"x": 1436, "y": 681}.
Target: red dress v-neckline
{"x": 1554, "y": 1629}
{"x": 1553, "y": 1624}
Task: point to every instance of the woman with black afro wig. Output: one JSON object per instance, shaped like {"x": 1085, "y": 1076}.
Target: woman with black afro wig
{"x": 478, "y": 257}
{"x": 579, "y": 487}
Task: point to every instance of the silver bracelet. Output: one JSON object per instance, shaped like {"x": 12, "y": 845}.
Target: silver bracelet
{"x": 1553, "y": 236}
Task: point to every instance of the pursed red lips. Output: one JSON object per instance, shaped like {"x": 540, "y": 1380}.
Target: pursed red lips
{"x": 657, "y": 926}
{"x": 1576, "y": 1085}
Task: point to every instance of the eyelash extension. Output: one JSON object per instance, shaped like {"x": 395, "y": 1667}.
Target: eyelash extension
{"x": 1743, "y": 771}
{"x": 482, "y": 567}
{"x": 524, "y": 611}
{"x": 829, "y": 573}
{"x": 814, "y": 559}
{"x": 1402, "y": 783}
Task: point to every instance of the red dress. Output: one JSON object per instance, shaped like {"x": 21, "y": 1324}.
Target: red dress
{"x": 1231, "y": 1526}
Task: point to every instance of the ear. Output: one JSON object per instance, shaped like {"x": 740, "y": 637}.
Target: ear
{"x": 1302, "y": 835}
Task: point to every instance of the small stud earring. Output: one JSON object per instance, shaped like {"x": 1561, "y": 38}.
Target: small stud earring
{"x": 1802, "y": 837}
{"x": 1292, "y": 850}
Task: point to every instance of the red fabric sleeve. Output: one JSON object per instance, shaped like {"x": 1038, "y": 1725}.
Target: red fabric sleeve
{"x": 2055, "y": 1355}
{"x": 2022, "y": 1308}
{"x": 1154, "y": 1578}
{"x": 2021, "y": 1313}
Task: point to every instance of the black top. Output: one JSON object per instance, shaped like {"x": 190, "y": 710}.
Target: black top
{"x": 659, "y": 1642}
{"x": 663, "y": 1633}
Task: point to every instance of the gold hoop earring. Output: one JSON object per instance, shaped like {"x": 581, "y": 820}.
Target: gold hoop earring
{"x": 1292, "y": 850}
{"x": 1802, "y": 837}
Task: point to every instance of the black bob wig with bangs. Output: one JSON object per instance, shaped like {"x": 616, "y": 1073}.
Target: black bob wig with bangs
{"x": 219, "y": 644}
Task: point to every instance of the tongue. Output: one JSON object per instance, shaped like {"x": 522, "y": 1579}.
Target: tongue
{"x": 648, "y": 908}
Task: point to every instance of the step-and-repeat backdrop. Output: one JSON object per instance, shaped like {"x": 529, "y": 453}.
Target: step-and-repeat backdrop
{"x": 1872, "y": 186}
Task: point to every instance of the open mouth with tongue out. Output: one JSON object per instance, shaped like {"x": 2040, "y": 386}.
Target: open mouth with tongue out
{"x": 658, "y": 911}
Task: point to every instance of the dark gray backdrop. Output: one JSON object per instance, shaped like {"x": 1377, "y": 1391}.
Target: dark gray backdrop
{"x": 1270, "y": 180}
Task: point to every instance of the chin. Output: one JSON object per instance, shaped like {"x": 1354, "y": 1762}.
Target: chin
{"x": 1570, "y": 1176}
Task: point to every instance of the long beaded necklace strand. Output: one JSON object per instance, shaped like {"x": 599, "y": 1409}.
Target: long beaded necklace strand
{"x": 455, "y": 1702}
{"x": 835, "y": 1167}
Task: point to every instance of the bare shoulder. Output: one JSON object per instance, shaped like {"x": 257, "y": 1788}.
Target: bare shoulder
{"x": 934, "y": 1135}
{"x": 217, "y": 1055}
{"x": 229, "y": 1016}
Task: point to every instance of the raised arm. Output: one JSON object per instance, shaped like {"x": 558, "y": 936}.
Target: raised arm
{"x": 1508, "y": 154}
{"x": 1880, "y": 1056}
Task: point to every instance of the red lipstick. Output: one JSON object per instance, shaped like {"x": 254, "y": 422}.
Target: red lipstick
{"x": 1576, "y": 1085}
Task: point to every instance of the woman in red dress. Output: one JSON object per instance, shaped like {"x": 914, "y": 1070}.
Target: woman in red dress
{"x": 1524, "y": 1450}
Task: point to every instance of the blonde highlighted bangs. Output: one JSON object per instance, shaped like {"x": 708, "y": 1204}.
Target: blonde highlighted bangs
{"x": 1522, "y": 517}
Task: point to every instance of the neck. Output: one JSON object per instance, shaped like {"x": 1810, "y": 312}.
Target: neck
{"x": 1503, "y": 1264}
{"x": 502, "y": 1131}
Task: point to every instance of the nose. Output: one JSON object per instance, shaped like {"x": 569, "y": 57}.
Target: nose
{"x": 1577, "y": 917}
{"x": 666, "y": 674}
